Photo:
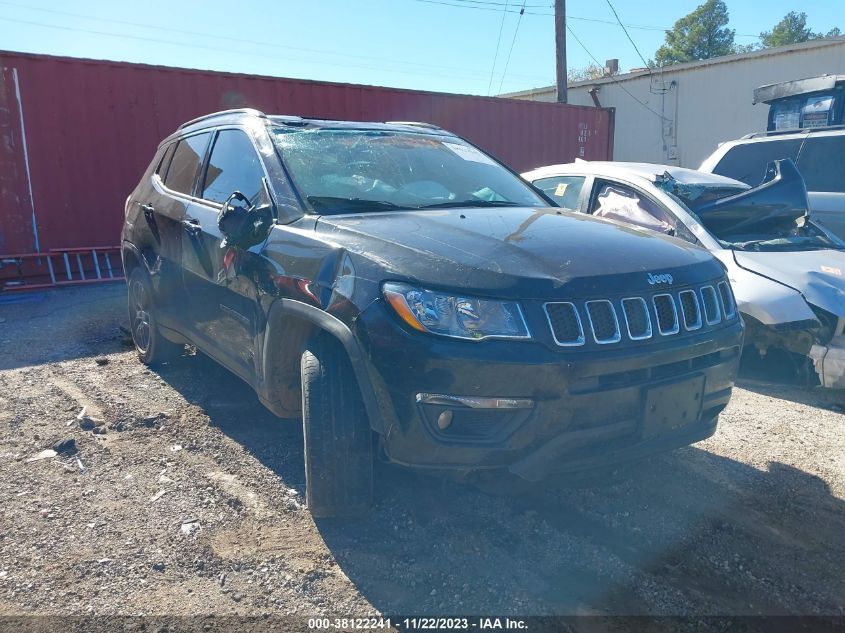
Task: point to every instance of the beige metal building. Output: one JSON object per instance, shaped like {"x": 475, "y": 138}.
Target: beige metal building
{"x": 679, "y": 115}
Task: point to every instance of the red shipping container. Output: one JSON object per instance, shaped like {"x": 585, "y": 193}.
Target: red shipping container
{"x": 76, "y": 134}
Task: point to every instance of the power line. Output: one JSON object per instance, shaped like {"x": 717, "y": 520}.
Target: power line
{"x": 502, "y": 4}
{"x": 496, "y": 55}
{"x": 478, "y": 8}
{"x": 470, "y": 76}
{"x": 489, "y": 5}
{"x": 628, "y": 35}
{"x": 513, "y": 41}
{"x": 617, "y": 82}
{"x": 251, "y": 42}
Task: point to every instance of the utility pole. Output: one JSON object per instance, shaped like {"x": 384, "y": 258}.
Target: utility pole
{"x": 560, "y": 49}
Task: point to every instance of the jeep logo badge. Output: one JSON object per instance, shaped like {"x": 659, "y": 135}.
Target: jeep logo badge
{"x": 664, "y": 278}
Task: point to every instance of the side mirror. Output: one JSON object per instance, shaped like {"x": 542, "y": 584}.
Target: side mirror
{"x": 243, "y": 224}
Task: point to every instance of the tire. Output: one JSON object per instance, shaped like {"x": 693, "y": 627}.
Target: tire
{"x": 151, "y": 346}
{"x": 338, "y": 438}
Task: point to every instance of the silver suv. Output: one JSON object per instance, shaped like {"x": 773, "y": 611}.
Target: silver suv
{"x": 818, "y": 153}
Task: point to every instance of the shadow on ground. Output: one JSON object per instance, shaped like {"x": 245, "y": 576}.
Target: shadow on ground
{"x": 61, "y": 325}
{"x": 688, "y": 532}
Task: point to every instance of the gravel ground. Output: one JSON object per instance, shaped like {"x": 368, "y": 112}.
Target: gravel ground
{"x": 186, "y": 498}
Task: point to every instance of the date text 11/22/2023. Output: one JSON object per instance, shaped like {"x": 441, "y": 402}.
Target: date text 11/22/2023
{"x": 418, "y": 623}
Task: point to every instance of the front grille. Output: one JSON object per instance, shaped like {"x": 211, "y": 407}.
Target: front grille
{"x": 606, "y": 321}
{"x": 636, "y": 318}
{"x": 667, "y": 314}
{"x": 603, "y": 322}
{"x": 565, "y": 322}
{"x": 690, "y": 309}
{"x": 710, "y": 301}
{"x": 728, "y": 306}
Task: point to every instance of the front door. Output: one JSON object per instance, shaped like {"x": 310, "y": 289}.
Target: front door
{"x": 222, "y": 295}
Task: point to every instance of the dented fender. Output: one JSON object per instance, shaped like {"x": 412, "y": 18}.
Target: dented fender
{"x": 768, "y": 301}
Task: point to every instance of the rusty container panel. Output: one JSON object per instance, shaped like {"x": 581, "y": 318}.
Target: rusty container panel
{"x": 92, "y": 128}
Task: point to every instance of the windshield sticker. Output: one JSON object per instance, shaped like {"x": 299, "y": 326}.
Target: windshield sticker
{"x": 561, "y": 189}
{"x": 469, "y": 153}
{"x": 832, "y": 271}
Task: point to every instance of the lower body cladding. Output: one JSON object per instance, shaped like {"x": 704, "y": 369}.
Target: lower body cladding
{"x": 462, "y": 405}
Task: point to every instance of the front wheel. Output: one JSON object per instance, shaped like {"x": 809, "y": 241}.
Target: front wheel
{"x": 338, "y": 439}
{"x": 151, "y": 346}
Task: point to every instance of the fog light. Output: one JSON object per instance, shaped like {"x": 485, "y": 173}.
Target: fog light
{"x": 444, "y": 420}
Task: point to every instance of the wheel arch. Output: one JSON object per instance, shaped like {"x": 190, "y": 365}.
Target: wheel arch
{"x": 132, "y": 258}
{"x": 290, "y": 324}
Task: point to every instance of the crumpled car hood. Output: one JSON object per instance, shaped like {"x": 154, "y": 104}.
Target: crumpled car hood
{"x": 772, "y": 206}
{"x": 516, "y": 251}
{"x": 818, "y": 275}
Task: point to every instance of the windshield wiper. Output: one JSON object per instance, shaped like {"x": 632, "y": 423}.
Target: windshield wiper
{"x": 337, "y": 204}
{"x": 470, "y": 203}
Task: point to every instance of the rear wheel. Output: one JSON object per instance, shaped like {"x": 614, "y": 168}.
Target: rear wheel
{"x": 338, "y": 439}
{"x": 151, "y": 346}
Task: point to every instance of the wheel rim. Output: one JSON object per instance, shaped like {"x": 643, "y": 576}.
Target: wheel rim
{"x": 141, "y": 328}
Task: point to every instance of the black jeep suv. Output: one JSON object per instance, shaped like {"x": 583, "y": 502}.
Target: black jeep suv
{"x": 406, "y": 294}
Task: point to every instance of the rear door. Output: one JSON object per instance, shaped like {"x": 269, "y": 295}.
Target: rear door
{"x": 168, "y": 207}
{"x": 223, "y": 296}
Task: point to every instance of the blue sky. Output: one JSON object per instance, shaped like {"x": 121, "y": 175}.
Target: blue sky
{"x": 422, "y": 44}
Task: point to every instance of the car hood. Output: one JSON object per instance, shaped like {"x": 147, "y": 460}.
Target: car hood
{"x": 515, "y": 251}
{"x": 772, "y": 207}
{"x": 818, "y": 275}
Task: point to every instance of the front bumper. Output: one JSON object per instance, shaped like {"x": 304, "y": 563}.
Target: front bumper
{"x": 588, "y": 407}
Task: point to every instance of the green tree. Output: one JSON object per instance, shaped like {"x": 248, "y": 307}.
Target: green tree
{"x": 590, "y": 71}
{"x": 701, "y": 34}
{"x": 791, "y": 30}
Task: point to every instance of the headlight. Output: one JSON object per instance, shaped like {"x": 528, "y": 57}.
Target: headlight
{"x": 454, "y": 315}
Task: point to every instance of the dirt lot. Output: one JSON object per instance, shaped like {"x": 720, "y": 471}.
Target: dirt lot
{"x": 188, "y": 500}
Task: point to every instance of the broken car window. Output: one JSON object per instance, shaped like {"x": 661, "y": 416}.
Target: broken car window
{"x": 617, "y": 202}
{"x": 349, "y": 170}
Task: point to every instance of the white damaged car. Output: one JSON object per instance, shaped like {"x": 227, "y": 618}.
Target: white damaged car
{"x": 786, "y": 269}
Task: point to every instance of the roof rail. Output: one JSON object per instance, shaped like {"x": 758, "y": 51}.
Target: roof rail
{"x": 251, "y": 111}
{"x": 795, "y": 130}
{"x": 430, "y": 126}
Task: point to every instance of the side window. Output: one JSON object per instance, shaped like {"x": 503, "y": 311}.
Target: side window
{"x": 164, "y": 163}
{"x": 622, "y": 203}
{"x": 186, "y": 162}
{"x": 564, "y": 190}
{"x": 822, "y": 163}
{"x": 233, "y": 166}
{"x": 747, "y": 162}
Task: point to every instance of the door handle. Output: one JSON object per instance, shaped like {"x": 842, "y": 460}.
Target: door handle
{"x": 148, "y": 210}
{"x": 192, "y": 225}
